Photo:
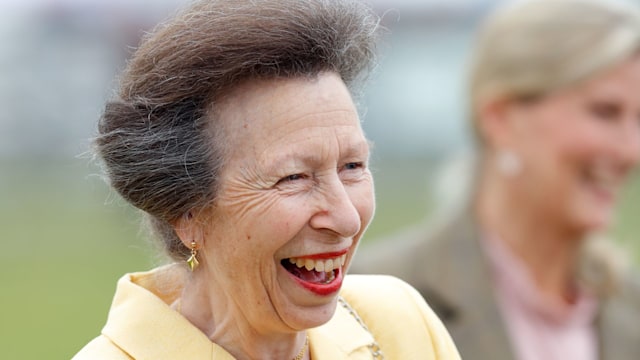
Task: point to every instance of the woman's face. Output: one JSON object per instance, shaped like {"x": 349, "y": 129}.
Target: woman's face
{"x": 296, "y": 195}
{"x": 577, "y": 147}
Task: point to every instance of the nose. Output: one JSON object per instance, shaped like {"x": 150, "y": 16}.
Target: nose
{"x": 336, "y": 210}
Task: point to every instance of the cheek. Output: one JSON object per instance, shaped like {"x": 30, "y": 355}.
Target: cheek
{"x": 275, "y": 225}
{"x": 565, "y": 143}
{"x": 245, "y": 226}
{"x": 584, "y": 142}
{"x": 579, "y": 134}
{"x": 363, "y": 198}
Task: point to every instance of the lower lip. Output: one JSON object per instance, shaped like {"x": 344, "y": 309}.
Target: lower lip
{"x": 322, "y": 289}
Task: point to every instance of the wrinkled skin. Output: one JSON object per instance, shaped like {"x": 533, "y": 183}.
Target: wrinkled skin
{"x": 296, "y": 183}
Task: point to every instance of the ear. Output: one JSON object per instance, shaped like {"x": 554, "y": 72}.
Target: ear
{"x": 497, "y": 122}
{"x": 188, "y": 229}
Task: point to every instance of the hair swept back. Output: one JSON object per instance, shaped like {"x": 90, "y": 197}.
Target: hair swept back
{"x": 157, "y": 139}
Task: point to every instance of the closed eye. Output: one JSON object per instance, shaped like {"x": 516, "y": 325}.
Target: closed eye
{"x": 605, "y": 110}
{"x": 290, "y": 178}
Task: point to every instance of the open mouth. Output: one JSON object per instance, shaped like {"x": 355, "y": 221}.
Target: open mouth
{"x": 315, "y": 271}
{"x": 603, "y": 180}
{"x": 320, "y": 274}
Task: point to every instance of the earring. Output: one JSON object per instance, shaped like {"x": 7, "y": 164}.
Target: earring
{"x": 192, "y": 261}
{"x": 509, "y": 163}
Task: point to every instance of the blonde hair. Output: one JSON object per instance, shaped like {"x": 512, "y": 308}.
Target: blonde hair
{"x": 531, "y": 48}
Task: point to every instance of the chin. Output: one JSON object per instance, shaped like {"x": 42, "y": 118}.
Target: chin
{"x": 596, "y": 223}
{"x": 313, "y": 317}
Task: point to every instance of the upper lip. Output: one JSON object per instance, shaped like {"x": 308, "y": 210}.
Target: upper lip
{"x": 604, "y": 175}
{"x": 325, "y": 255}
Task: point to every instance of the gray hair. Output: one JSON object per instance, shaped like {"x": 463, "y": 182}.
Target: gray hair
{"x": 158, "y": 140}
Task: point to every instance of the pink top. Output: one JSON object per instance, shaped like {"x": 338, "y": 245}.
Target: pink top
{"x": 540, "y": 327}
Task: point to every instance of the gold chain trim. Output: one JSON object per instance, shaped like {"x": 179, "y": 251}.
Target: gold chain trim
{"x": 376, "y": 352}
{"x": 304, "y": 349}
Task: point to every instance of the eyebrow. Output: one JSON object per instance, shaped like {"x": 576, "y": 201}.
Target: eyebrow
{"x": 285, "y": 159}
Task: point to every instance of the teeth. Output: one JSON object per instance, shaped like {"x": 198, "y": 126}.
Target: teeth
{"x": 320, "y": 265}
{"x": 309, "y": 264}
{"x": 328, "y": 265}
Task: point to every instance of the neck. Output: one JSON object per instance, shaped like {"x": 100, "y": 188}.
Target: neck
{"x": 226, "y": 324}
{"x": 548, "y": 248}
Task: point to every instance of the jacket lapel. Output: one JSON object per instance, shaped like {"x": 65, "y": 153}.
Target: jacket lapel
{"x": 451, "y": 272}
{"x": 342, "y": 338}
{"x": 619, "y": 325}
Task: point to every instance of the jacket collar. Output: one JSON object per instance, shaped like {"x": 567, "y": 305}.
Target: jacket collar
{"x": 340, "y": 338}
{"x": 143, "y": 325}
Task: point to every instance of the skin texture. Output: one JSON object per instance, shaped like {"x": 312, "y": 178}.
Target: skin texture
{"x": 577, "y": 146}
{"x": 296, "y": 183}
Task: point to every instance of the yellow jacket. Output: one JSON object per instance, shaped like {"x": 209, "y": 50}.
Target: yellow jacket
{"x": 141, "y": 325}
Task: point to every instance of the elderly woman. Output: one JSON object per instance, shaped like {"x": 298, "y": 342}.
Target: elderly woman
{"x": 518, "y": 274}
{"x": 235, "y": 132}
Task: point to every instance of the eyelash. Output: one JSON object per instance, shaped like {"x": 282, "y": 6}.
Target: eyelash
{"x": 291, "y": 178}
{"x": 605, "y": 110}
{"x": 353, "y": 165}
{"x": 295, "y": 177}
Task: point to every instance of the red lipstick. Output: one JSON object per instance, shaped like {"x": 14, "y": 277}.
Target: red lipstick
{"x": 328, "y": 255}
{"x": 323, "y": 289}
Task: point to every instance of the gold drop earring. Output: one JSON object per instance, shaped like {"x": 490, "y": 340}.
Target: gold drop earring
{"x": 192, "y": 261}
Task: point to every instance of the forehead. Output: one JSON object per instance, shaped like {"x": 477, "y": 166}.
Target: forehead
{"x": 271, "y": 110}
{"x": 617, "y": 80}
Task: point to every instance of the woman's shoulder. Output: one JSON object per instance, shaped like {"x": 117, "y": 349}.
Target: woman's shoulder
{"x": 378, "y": 296}
{"x": 627, "y": 298}
{"x": 398, "y": 317}
{"x": 632, "y": 283}
{"x": 101, "y": 348}
{"x": 388, "y": 290}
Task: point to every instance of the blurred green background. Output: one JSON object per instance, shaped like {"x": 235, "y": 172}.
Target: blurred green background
{"x": 66, "y": 238}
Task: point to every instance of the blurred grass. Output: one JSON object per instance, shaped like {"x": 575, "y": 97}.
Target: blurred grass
{"x": 63, "y": 249}
{"x": 66, "y": 240}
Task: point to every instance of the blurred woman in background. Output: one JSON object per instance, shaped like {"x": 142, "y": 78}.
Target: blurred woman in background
{"x": 234, "y": 130}
{"x": 520, "y": 272}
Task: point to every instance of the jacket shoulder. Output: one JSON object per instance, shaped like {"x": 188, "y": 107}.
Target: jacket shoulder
{"x": 398, "y": 318}
{"x": 627, "y": 299}
{"x": 632, "y": 292}
{"x": 101, "y": 348}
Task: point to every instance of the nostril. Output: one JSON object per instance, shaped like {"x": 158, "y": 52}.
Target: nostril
{"x": 342, "y": 218}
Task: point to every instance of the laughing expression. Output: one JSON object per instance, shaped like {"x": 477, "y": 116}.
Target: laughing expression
{"x": 578, "y": 146}
{"x": 295, "y": 197}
